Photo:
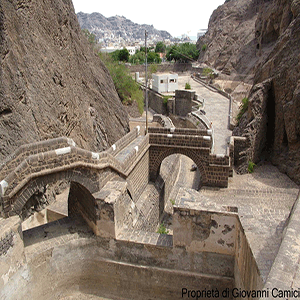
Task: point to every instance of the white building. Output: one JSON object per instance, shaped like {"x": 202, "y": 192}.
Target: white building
{"x": 131, "y": 50}
{"x": 165, "y": 83}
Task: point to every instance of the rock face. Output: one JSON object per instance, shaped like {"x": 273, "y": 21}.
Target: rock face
{"x": 230, "y": 42}
{"x": 272, "y": 121}
{"x": 52, "y": 83}
{"x": 118, "y": 27}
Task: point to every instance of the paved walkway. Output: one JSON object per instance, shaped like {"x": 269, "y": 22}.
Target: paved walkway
{"x": 217, "y": 110}
{"x": 263, "y": 199}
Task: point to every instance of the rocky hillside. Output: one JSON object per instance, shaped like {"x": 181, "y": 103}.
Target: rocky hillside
{"x": 117, "y": 27}
{"x": 52, "y": 83}
{"x": 272, "y": 121}
{"x": 230, "y": 44}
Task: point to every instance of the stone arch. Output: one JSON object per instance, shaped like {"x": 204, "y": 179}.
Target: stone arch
{"x": 80, "y": 176}
{"x": 82, "y": 201}
{"x": 157, "y": 159}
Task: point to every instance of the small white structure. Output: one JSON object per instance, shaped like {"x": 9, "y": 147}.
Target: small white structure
{"x": 131, "y": 50}
{"x": 165, "y": 83}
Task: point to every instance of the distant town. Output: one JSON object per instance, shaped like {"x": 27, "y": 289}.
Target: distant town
{"x": 116, "y": 33}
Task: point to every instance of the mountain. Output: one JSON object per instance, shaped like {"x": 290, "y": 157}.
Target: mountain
{"x": 229, "y": 44}
{"x": 51, "y": 81}
{"x": 118, "y": 28}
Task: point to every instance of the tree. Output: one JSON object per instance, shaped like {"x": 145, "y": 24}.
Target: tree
{"x": 160, "y": 47}
{"x": 185, "y": 52}
{"x": 120, "y": 55}
{"x": 138, "y": 58}
{"x": 153, "y": 57}
{"x": 124, "y": 55}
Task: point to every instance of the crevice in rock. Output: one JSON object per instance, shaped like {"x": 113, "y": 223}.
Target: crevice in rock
{"x": 270, "y": 124}
{"x": 5, "y": 112}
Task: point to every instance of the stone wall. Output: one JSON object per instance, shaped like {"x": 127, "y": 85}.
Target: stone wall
{"x": 168, "y": 176}
{"x": 220, "y": 232}
{"x": 107, "y": 268}
{"x": 168, "y": 67}
{"x": 184, "y": 102}
{"x": 164, "y": 121}
{"x": 139, "y": 177}
{"x": 157, "y": 102}
{"x": 11, "y": 249}
{"x": 247, "y": 276}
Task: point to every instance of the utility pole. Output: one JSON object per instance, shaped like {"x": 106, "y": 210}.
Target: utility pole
{"x": 146, "y": 76}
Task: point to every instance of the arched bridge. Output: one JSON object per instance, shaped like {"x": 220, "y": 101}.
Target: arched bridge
{"x": 132, "y": 161}
{"x": 194, "y": 143}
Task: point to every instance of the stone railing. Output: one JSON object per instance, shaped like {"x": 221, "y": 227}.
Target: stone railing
{"x": 164, "y": 121}
{"x": 137, "y": 151}
{"x": 124, "y": 141}
{"x": 63, "y": 159}
{"x": 12, "y": 161}
{"x": 54, "y": 161}
{"x": 179, "y": 140}
{"x": 180, "y": 131}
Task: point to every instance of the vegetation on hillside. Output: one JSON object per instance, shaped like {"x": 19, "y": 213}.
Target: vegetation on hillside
{"x": 127, "y": 89}
{"x": 243, "y": 109}
{"x": 90, "y": 36}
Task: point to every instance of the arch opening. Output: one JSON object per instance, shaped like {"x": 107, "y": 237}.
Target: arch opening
{"x": 175, "y": 171}
{"x": 60, "y": 207}
{"x": 49, "y": 203}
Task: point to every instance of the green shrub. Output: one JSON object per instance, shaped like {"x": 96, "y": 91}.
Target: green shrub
{"x": 162, "y": 229}
{"x": 127, "y": 89}
{"x": 208, "y": 72}
{"x": 166, "y": 99}
{"x": 172, "y": 201}
{"x": 243, "y": 109}
{"x": 251, "y": 166}
{"x": 187, "y": 86}
{"x": 204, "y": 47}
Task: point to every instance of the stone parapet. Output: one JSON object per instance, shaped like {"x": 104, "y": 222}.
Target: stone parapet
{"x": 181, "y": 131}
{"x": 164, "y": 121}
{"x": 124, "y": 141}
{"x": 180, "y": 140}
{"x": 23, "y": 151}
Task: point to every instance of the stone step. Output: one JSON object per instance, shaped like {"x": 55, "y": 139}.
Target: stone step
{"x": 146, "y": 237}
{"x": 148, "y": 205}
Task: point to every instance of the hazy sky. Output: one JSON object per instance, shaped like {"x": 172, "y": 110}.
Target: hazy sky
{"x": 177, "y": 17}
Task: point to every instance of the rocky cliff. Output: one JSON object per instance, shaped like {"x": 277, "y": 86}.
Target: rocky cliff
{"x": 51, "y": 82}
{"x": 230, "y": 42}
{"x": 272, "y": 121}
{"x": 118, "y": 28}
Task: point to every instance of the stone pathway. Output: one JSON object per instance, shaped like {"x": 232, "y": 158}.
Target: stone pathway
{"x": 263, "y": 200}
{"x": 148, "y": 204}
{"x": 217, "y": 111}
